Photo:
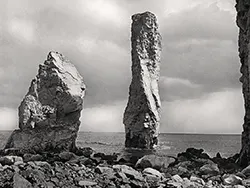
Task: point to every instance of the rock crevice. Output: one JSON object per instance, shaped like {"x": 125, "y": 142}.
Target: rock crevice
{"x": 141, "y": 116}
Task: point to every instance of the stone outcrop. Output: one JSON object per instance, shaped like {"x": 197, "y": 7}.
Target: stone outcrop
{"x": 50, "y": 111}
{"x": 243, "y": 22}
{"x": 141, "y": 116}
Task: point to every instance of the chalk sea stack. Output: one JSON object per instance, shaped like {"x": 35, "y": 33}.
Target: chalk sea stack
{"x": 243, "y": 22}
{"x": 141, "y": 116}
{"x": 50, "y": 111}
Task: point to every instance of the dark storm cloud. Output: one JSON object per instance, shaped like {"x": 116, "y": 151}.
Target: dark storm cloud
{"x": 199, "y": 54}
{"x": 199, "y": 44}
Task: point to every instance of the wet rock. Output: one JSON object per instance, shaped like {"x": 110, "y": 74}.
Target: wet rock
{"x": 50, "y": 111}
{"x": 154, "y": 161}
{"x": 141, "y": 117}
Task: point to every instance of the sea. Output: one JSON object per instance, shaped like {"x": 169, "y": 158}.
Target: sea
{"x": 169, "y": 144}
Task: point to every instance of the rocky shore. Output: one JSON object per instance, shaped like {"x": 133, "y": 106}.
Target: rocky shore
{"x": 87, "y": 168}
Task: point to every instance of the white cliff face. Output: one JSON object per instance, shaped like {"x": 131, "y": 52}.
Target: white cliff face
{"x": 50, "y": 111}
{"x": 243, "y": 22}
{"x": 141, "y": 116}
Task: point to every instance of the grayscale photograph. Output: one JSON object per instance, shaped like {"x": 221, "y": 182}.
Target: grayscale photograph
{"x": 125, "y": 94}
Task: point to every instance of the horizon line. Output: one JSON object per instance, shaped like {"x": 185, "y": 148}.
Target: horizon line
{"x": 173, "y": 133}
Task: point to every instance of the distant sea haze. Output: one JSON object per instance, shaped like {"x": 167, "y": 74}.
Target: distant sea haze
{"x": 169, "y": 143}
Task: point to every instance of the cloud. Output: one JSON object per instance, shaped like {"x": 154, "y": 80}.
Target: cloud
{"x": 199, "y": 57}
{"x": 101, "y": 10}
{"x": 168, "y": 82}
{"x": 214, "y": 113}
{"x": 194, "y": 22}
{"x": 22, "y": 29}
{"x": 219, "y": 112}
{"x": 8, "y": 118}
{"x": 104, "y": 118}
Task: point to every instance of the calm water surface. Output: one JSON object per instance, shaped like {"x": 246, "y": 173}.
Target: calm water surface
{"x": 169, "y": 144}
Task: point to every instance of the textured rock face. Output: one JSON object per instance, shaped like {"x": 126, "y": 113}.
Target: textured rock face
{"x": 141, "y": 116}
{"x": 49, "y": 113}
{"x": 243, "y": 22}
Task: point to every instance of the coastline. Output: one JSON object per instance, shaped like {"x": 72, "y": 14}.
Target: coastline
{"x": 87, "y": 168}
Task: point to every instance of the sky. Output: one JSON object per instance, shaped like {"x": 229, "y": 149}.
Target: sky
{"x": 199, "y": 83}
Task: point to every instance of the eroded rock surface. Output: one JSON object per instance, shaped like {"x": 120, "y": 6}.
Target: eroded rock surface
{"x": 50, "y": 111}
{"x": 141, "y": 116}
{"x": 243, "y": 22}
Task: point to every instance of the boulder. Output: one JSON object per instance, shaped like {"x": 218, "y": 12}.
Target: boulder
{"x": 141, "y": 117}
{"x": 246, "y": 171}
{"x": 154, "y": 161}
{"x": 50, "y": 111}
{"x": 87, "y": 151}
{"x": 9, "y": 160}
{"x": 152, "y": 172}
{"x": 128, "y": 171}
{"x": 103, "y": 169}
{"x": 66, "y": 156}
{"x": 191, "y": 154}
{"x": 152, "y": 176}
{"x": 231, "y": 179}
{"x": 209, "y": 169}
{"x": 32, "y": 157}
{"x": 246, "y": 182}
{"x": 197, "y": 180}
{"x": 6, "y": 176}
{"x": 20, "y": 182}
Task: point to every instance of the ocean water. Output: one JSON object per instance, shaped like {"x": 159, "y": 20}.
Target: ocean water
{"x": 169, "y": 144}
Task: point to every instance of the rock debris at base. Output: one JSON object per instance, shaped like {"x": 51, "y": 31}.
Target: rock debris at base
{"x": 86, "y": 168}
